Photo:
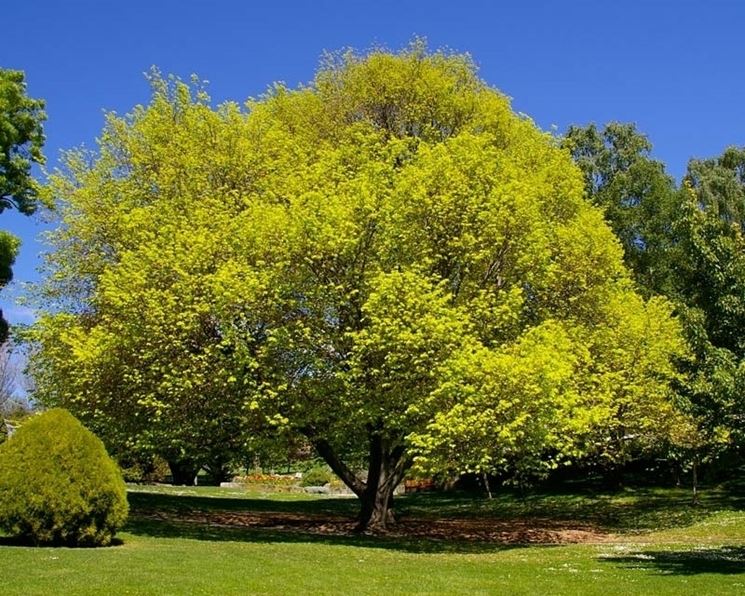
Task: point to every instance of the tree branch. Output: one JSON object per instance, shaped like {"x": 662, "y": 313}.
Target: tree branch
{"x": 341, "y": 469}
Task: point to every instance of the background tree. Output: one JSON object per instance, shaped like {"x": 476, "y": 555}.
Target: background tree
{"x": 685, "y": 244}
{"x": 710, "y": 283}
{"x": 387, "y": 261}
{"x": 21, "y": 141}
{"x": 638, "y": 197}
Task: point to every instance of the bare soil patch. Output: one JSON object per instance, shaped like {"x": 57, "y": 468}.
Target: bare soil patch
{"x": 499, "y": 531}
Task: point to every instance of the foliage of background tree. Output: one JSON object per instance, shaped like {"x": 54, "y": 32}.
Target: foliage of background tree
{"x": 58, "y": 485}
{"x": 639, "y": 199}
{"x": 388, "y": 261}
{"x": 685, "y": 244}
{"x": 710, "y": 282}
{"x": 21, "y": 141}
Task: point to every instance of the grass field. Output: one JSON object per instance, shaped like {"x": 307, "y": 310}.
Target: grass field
{"x": 206, "y": 540}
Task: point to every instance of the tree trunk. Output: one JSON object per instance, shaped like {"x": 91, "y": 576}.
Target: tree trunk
{"x": 183, "y": 472}
{"x": 217, "y": 473}
{"x": 218, "y": 470}
{"x": 614, "y": 477}
{"x": 386, "y": 468}
{"x": 387, "y": 465}
{"x": 485, "y": 477}
{"x": 376, "y": 513}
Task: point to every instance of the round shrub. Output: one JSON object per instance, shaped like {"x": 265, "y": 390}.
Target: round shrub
{"x": 58, "y": 485}
{"x": 317, "y": 476}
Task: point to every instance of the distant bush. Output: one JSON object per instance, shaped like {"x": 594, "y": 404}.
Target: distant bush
{"x": 269, "y": 482}
{"x": 58, "y": 485}
{"x": 317, "y": 476}
{"x": 146, "y": 470}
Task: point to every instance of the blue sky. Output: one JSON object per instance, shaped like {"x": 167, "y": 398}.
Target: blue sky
{"x": 673, "y": 67}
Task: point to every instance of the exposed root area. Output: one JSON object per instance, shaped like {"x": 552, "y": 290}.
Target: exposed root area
{"x": 498, "y": 531}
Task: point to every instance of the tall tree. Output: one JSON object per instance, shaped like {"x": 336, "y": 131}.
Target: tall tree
{"x": 709, "y": 279}
{"x": 638, "y": 197}
{"x": 21, "y": 142}
{"x": 686, "y": 244}
{"x": 388, "y": 261}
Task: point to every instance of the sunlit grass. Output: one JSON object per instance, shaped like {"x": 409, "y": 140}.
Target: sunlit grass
{"x": 657, "y": 543}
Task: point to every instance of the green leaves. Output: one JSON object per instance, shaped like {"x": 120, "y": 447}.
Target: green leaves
{"x": 638, "y": 198}
{"x": 21, "y": 141}
{"x": 386, "y": 258}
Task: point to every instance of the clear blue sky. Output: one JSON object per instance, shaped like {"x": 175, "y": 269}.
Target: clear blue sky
{"x": 674, "y": 67}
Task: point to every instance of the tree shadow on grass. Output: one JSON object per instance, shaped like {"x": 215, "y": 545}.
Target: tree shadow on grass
{"x": 194, "y": 531}
{"x": 26, "y": 542}
{"x": 630, "y": 510}
{"x": 180, "y": 503}
{"x": 429, "y": 523}
{"x": 725, "y": 560}
{"x": 424, "y": 525}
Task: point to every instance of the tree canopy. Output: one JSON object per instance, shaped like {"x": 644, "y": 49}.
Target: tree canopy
{"x": 21, "y": 142}
{"x": 388, "y": 261}
{"x": 638, "y": 198}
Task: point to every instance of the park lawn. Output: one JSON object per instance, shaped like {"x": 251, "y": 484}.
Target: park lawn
{"x": 655, "y": 544}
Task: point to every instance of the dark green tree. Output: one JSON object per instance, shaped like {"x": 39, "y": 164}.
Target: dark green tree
{"x": 709, "y": 280}
{"x": 636, "y": 194}
{"x": 21, "y": 142}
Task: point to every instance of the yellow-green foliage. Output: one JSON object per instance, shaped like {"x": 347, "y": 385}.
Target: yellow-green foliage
{"x": 58, "y": 485}
{"x": 388, "y": 255}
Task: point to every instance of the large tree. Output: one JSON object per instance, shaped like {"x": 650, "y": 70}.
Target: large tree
{"x": 21, "y": 141}
{"x": 388, "y": 261}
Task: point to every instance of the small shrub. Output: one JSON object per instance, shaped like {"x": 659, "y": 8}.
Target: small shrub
{"x": 157, "y": 471}
{"x": 58, "y": 485}
{"x": 336, "y": 485}
{"x": 269, "y": 482}
{"x": 144, "y": 469}
{"x": 318, "y": 476}
{"x": 132, "y": 471}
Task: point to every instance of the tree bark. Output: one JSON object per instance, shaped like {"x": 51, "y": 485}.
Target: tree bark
{"x": 485, "y": 477}
{"x": 183, "y": 472}
{"x": 217, "y": 472}
{"x": 614, "y": 476}
{"x": 387, "y": 465}
{"x": 386, "y": 468}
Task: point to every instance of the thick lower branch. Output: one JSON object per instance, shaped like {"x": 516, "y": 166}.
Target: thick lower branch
{"x": 403, "y": 463}
{"x": 338, "y": 466}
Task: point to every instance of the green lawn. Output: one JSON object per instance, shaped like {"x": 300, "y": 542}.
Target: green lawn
{"x": 191, "y": 541}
